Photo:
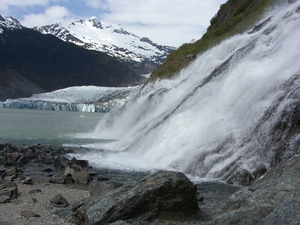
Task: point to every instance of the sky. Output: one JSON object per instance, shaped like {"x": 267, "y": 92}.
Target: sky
{"x": 165, "y": 22}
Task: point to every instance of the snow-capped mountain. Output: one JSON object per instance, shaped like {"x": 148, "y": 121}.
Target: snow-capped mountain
{"x": 93, "y": 34}
{"x": 49, "y": 63}
{"x": 9, "y": 23}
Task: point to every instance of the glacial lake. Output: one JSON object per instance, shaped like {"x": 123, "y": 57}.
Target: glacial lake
{"x": 19, "y": 126}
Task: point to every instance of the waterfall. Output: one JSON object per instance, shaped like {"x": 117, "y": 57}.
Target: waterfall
{"x": 226, "y": 113}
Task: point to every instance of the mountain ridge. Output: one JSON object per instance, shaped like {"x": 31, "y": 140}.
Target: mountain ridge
{"x": 112, "y": 39}
{"x": 52, "y": 63}
{"x": 10, "y": 22}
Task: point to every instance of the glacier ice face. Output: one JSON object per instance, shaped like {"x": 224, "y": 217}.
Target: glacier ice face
{"x": 82, "y": 99}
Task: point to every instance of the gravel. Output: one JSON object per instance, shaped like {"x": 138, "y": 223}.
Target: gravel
{"x": 39, "y": 203}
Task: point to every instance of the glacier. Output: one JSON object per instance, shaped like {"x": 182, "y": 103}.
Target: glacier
{"x": 79, "y": 98}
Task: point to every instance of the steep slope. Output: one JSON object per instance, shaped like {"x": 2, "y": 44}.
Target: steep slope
{"x": 233, "y": 17}
{"x": 13, "y": 85}
{"x": 53, "y": 64}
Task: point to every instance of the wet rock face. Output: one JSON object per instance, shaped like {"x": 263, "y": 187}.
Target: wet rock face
{"x": 286, "y": 213}
{"x": 161, "y": 195}
{"x": 296, "y": 117}
{"x": 272, "y": 199}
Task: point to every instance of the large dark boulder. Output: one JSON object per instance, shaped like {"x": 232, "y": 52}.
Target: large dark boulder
{"x": 286, "y": 213}
{"x": 284, "y": 177}
{"x": 164, "y": 195}
{"x": 272, "y": 199}
{"x": 60, "y": 163}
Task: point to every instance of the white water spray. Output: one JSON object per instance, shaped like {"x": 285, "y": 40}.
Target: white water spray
{"x": 217, "y": 117}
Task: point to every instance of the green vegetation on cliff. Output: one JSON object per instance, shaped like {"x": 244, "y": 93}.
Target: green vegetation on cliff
{"x": 233, "y": 17}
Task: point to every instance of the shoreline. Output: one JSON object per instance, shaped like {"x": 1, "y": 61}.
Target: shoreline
{"x": 44, "y": 170}
{"x": 44, "y": 167}
{"x": 39, "y": 185}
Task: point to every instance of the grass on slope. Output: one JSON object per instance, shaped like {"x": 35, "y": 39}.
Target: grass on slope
{"x": 235, "y": 16}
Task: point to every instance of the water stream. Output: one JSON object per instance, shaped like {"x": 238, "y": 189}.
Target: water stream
{"x": 218, "y": 116}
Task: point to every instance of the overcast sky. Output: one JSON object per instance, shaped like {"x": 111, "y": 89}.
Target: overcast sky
{"x": 166, "y": 22}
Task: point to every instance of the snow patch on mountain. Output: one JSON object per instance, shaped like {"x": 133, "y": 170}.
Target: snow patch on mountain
{"x": 9, "y": 23}
{"x": 112, "y": 39}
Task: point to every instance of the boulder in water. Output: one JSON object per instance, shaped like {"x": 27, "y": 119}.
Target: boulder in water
{"x": 60, "y": 163}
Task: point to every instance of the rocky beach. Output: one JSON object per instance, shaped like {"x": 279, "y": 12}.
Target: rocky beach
{"x": 42, "y": 185}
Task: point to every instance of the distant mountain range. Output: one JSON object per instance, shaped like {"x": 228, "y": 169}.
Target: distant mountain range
{"x": 93, "y": 34}
{"x": 85, "y": 52}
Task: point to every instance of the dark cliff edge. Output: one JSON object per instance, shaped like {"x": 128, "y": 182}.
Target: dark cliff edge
{"x": 13, "y": 85}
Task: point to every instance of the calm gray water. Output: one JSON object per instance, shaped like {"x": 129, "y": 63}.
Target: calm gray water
{"x": 46, "y": 127}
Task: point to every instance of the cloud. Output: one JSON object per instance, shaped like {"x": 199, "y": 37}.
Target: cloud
{"x": 96, "y": 4}
{"x": 168, "y": 22}
{"x": 6, "y": 4}
{"x": 51, "y": 15}
{"x": 166, "y": 18}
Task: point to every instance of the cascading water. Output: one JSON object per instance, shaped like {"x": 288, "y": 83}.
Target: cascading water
{"x": 221, "y": 115}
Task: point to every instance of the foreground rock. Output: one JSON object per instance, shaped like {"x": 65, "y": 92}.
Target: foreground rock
{"x": 59, "y": 201}
{"x": 8, "y": 190}
{"x": 272, "y": 199}
{"x": 28, "y": 213}
{"x": 165, "y": 195}
{"x": 121, "y": 197}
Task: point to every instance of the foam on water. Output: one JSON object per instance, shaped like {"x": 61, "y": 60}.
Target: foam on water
{"x": 216, "y": 114}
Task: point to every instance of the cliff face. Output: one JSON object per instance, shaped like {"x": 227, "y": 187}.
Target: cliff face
{"x": 233, "y": 17}
{"x": 230, "y": 10}
{"x": 13, "y": 85}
